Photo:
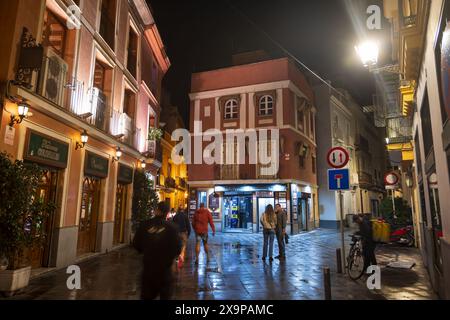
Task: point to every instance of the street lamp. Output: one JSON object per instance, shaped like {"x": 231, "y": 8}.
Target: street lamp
{"x": 143, "y": 164}
{"x": 118, "y": 154}
{"x": 22, "y": 111}
{"x": 84, "y": 139}
{"x": 368, "y": 52}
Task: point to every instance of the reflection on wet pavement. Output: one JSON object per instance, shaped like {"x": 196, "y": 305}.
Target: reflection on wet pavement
{"x": 236, "y": 272}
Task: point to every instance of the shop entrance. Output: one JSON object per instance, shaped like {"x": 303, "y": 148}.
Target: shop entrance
{"x": 238, "y": 213}
{"x": 46, "y": 192}
{"x": 90, "y": 200}
{"x": 262, "y": 204}
{"x": 119, "y": 216}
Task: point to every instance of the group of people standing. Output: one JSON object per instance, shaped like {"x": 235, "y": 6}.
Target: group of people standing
{"x": 274, "y": 223}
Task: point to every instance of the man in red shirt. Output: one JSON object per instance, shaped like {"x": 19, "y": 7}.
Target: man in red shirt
{"x": 200, "y": 221}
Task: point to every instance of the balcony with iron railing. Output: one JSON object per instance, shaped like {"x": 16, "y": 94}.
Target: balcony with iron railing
{"x": 53, "y": 83}
{"x": 154, "y": 150}
{"x": 365, "y": 178}
{"x": 181, "y": 183}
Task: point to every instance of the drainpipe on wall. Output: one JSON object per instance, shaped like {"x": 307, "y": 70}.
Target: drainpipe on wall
{"x": 362, "y": 200}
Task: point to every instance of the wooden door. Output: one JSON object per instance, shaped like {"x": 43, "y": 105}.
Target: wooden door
{"x": 119, "y": 216}
{"x": 39, "y": 254}
{"x": 87, "y": 230}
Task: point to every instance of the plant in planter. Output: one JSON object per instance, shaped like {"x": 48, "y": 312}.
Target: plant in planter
{"x": 155, "y": 134}
{"x": 145, "y": 199}
{"x": 22, "y": 217}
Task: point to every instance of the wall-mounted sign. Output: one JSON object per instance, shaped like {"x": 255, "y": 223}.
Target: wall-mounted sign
{"x": 45, "y": 150}
{"x": 95, "y": 165}
{"x": 265, "y": 194}
{"x": 125, "y": 174}
{"x": 213, "y": 201}
{"x": 9, "y": 135}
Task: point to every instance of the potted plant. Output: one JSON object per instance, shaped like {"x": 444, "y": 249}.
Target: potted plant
{"x": 145, "y": 198}
{"x": 155, "y": 134}
{"x": 22, "y": 217}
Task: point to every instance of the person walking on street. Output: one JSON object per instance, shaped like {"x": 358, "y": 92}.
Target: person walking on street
{"x": 368, "y": 244}
{"x": 281, "y": 231}
{"x": 269, "y": 222}
{"x": 159, "y": 242}
{"x": 181, "y": 219}
{"x": 200, "y": 221}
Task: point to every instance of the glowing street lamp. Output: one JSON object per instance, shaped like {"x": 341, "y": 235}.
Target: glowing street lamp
{"x": 368, "y": 52}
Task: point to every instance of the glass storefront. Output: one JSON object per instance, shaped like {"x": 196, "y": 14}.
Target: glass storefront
{"x": 238, "y": 213}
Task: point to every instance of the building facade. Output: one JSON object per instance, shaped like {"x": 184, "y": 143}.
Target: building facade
{"x": 85, "y": 70}
{"x": 172, "y": 179}
{"x": 273, "y": 95}
{"x": 422, "y": 46}
{"x": 343, "y": 123}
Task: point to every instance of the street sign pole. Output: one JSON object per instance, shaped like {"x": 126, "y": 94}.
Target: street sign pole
{"x": 341, "y": 209}
{"x": 393, "y": 204}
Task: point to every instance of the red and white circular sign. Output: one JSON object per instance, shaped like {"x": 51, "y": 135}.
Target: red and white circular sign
{"x": 391, "y": 179}
{"x": 338, "y": 157}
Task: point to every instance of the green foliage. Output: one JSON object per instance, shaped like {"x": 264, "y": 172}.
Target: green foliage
{"x": 21, "y": 214}
{"x": 403, "y": 211}
{"x": 155, "y": 134}
{"x": 145, "y": 199}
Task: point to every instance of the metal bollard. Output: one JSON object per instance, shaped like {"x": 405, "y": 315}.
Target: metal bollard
{"x": 327, "y": 283}
{"x": 339, "y": 260}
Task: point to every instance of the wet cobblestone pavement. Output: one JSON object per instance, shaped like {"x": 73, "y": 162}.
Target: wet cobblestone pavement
{"x": 236, "y": 272}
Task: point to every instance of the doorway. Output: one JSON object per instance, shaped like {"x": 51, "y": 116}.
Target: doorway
{"x": 46, "y": 193}
{"x": 87, "y": 230}
{"x": 238, "y": 213}
{"x": 262, "y": 204}
{"x": 304, "y": 214}
{"x": 120, "y": 214}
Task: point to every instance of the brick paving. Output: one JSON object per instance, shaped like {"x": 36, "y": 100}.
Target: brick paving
{"x": 236, "y": 272}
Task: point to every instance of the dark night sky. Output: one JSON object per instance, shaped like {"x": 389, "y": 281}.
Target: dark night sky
{"x": 202, "y": 35}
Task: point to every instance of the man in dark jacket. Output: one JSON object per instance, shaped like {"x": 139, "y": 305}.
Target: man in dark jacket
{"x": 181, "y": 219}
{"x": 158, "y": 240}
{"x": 365, "y": 231}
{"x": 280, "y": 231}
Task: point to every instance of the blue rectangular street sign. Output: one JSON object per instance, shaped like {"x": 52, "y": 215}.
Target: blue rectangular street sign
{"x": 339, "y": 180}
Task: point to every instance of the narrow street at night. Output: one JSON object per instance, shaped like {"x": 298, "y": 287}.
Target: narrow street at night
{"x": 236, "y": 272}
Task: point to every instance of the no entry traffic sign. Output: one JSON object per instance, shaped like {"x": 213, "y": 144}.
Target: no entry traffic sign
{"x": 391, "y": 179}
{"x": 338, "y": 158}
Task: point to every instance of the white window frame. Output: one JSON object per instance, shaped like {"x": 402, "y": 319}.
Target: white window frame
{"x": 231, "y": 109}
{"x": 266, "y": 105}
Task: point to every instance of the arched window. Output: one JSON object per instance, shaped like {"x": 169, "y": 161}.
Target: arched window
{"x": 231, "y": 109}
{"x": 266, "y": 105}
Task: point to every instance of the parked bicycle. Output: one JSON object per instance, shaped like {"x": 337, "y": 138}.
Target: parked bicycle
{"x": 355, "y": 259}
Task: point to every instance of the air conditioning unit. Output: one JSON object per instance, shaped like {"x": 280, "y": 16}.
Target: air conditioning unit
{"x": 52, "y": 82}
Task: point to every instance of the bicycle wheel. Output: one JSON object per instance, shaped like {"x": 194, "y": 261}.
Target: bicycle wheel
{"x": 355, "y": 264}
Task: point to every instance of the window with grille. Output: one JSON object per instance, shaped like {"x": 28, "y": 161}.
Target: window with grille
{"x": 231, "y": 109}
{"x": 266, "y": 105}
